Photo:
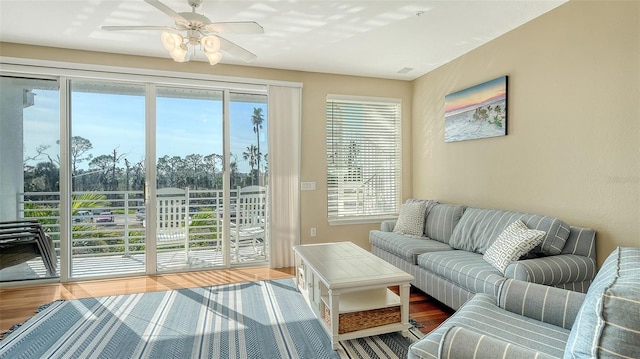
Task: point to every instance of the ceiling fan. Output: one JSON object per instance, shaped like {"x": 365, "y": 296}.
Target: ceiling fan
{"x": 199, "y": 31}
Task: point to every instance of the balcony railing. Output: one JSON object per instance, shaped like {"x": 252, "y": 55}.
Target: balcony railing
{"x": 112, "y": 223}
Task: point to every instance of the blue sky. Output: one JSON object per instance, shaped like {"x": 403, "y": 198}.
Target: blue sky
{"x": 184, "y": 125}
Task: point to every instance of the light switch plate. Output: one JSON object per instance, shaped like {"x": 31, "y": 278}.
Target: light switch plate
{"x": 308, "y": 186}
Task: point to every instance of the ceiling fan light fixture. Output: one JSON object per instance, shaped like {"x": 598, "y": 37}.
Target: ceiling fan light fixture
{"x": 214, "y": 57}
{"x": 180, "y": 53}
{"x": 211, "y": 44}
{"x": 199, "y": 31}
{"x": 170, "y": 41}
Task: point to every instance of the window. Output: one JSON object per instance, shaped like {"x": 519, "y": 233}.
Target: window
{"x": 363, "y": 158}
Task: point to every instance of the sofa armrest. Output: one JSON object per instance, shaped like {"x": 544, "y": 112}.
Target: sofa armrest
{"x": 553, "y": 270}
{"x": 547, "y": 304}
{"x": 388, "y": 225}
{"x": 459, "y": 343}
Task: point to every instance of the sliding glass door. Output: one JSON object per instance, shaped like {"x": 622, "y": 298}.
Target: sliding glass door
{"x": 248, "y": 178}
{"x": 131, "y": 177}
{"x": 107, "y": 156}
{"x": 212, "y": 170}
{"x": 209, "y": 206}
{"x": 189, "y": 151}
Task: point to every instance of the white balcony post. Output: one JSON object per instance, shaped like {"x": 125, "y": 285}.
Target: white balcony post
{"x": 126, "y": 224}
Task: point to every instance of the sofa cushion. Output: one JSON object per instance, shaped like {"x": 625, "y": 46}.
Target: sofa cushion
{"x": 608, "y": 323}
{"x": 482, "y": 315}
{"x": 407, "y": 248}
{"x": 441, "y": 221}
{"x": 478, "y": 229}
{"x": 411, "y": 219}
{"x": 515, "y": 241}
{"x": 466, "y": 269}
{"x": 581, "y": 241}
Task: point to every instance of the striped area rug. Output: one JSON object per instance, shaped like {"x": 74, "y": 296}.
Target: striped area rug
{"x": 266, "y": 319}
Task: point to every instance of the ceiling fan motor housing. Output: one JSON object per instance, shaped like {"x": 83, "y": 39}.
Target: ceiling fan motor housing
{"x": 193, "y": 36}
{"x": 196, "y": 21}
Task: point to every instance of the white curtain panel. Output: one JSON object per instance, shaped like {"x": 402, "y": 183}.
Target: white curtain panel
{"x": 284, "y": 116}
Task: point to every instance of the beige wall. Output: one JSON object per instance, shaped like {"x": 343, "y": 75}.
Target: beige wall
{"x": 315, "y": 88}
{"x": 573, "y": 143}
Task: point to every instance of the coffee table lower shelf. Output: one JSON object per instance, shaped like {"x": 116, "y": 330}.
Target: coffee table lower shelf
{"x": 372, "y": 310}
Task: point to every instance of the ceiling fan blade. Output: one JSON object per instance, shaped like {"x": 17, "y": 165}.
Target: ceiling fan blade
{"x": 236, "y": 51}
{"x": 167, "y": 10}
{"x": 120, "y": 28}
{"x": 237, "y": 27}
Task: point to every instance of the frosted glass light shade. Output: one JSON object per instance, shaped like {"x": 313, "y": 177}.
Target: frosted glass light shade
{"x": 214, "y": 57}
{"x": 180, "y": 53}
{"x": 210, "y": 44}
{"x": 171, "y": 41}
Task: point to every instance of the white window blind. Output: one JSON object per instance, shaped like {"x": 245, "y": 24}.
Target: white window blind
{"x": 363, "y": 158}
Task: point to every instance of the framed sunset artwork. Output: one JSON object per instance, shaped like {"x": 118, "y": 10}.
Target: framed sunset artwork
{"x": 479, "y": 111}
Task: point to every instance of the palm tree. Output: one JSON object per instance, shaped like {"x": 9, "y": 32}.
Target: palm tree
{"x": 253, "y": 156}
{"x": 257, "y": 119}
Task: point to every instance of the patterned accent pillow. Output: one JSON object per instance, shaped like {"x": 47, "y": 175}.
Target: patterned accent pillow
{"x": 411, "y": 219}
{"x": 516, "y": 240}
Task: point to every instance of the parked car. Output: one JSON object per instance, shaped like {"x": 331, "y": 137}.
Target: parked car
{"x": 97, "y": 211}
{"x": 82, "y": 216}
{"x": 104, "y": 217}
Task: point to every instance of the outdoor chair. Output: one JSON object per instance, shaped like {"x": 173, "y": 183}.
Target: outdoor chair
{"x": 27, "y": 232}
{"x": 248, "y": 226}
{"x": 172, "y": 216}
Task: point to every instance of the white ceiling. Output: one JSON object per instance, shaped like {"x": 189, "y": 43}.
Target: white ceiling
{"x": 362, "y": 38}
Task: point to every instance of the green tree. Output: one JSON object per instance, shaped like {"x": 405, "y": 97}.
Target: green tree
{"x": 138, "y": 176}
{"x": 115, "y": 159}
{"x": 266, "y": 164}
{"x": 253, "y": 155}
{"x": 210, "y": 162}
{"x": 101, "y": 164}
{"x": 193, "y": 163}
{"x": 79, "y": 148}
{"x": 86, "y": 201}
{"x": 257, "y": 119}
{"x": 233, "y": 168}
{"x": 44, "y": 177}
{"x": 171, "y": 171}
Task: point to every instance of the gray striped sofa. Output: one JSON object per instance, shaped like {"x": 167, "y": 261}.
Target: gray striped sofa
{"x": 447, "y": 261}
{"x": 528, "y": 320}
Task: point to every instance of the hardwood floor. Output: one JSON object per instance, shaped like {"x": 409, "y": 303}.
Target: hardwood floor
{"x": 18, "y": 304}
{"x": 427, "y": 311}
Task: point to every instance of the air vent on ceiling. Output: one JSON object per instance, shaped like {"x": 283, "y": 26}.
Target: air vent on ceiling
{"x": 405, "y": 70}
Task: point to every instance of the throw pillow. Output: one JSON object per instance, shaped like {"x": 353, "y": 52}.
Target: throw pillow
{"x": 516, "y": 240}
{"x": 411, "y": 219}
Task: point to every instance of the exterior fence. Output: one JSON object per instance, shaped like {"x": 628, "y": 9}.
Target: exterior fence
{"x": 113, "y": 222}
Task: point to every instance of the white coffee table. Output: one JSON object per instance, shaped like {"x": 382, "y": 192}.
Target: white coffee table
{"x": 342, "y": 279}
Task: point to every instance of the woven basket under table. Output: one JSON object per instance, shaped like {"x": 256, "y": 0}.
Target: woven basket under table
{"x": 354, "y": 321}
